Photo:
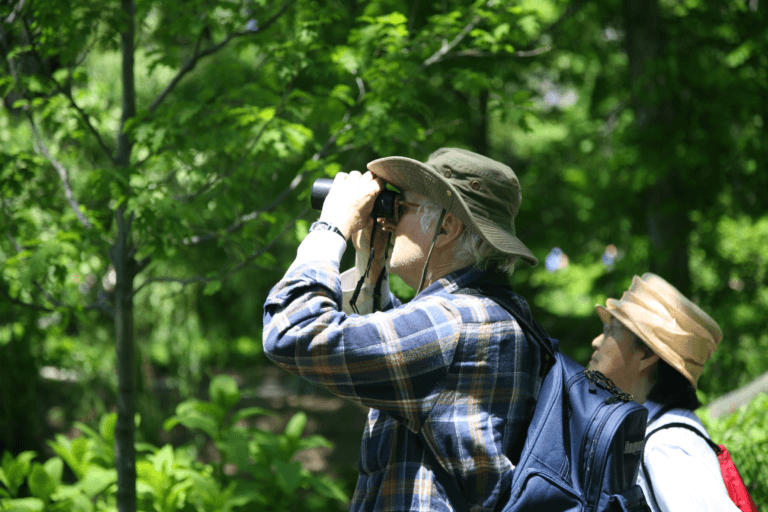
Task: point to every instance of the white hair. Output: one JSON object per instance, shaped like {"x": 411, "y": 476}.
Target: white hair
{"x": 470, "y": 247}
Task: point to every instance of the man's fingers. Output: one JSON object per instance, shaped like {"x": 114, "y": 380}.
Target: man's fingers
{"x": 387, "y": 225}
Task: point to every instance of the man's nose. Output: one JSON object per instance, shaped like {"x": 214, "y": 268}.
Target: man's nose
{"x": 596, "y": 342}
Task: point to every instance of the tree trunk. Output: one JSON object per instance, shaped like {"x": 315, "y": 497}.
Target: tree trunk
{"x": 125, "y": 269}
{"x": 666, "y": 219}
{"x": 125, "y": 457}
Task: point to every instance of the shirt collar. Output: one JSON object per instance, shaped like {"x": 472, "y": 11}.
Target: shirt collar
{"x": 462, "y": 278}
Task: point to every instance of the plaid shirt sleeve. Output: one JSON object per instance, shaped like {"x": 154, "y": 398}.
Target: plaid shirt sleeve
{"x": 393, "y": 361}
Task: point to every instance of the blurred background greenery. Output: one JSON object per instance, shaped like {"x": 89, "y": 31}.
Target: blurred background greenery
{"x": 155, "y": 165}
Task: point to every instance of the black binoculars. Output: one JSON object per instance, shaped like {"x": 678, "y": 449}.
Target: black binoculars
{"x": 384, "y": 206}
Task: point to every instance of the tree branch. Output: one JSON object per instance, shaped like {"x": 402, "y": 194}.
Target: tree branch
{"x": 192, "y": 62}
{"x": 62, "y": 90}
{"x": 101, "y": 304}
{"x": 63, "y": 174}
{"x": 16, "y": 12}
{"x": 729, "y": 402}
{"x": 478, "y": 54}
{"x": 19, "y": 302}
{"x": 447, "y": 47}
{"x": 44, "y": 150}
{"x": 534, "y": 52}
{"x": 201, "y": 279}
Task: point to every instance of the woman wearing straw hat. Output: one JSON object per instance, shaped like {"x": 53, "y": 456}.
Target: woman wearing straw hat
{"x": 654, "y": 345}
{"x": 450, "y": 379}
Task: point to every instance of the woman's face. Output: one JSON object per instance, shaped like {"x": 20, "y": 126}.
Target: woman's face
{"x": 616, "y": 357}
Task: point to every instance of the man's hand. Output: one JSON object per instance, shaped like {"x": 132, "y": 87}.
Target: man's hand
{"x": 350, "y": 201}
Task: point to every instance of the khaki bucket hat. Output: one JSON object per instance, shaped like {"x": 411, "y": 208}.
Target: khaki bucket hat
{"x": 482, "y": 193}
{"x": 676, "y": 329}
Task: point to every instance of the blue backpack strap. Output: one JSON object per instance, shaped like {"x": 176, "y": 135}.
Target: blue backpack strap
{"x": 674, "y": 425}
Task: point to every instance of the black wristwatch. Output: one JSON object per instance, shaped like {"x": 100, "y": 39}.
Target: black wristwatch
{"x": 322, "y": 225}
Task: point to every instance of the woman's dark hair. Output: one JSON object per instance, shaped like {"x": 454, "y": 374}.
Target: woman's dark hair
{"x": 671, "y": 388}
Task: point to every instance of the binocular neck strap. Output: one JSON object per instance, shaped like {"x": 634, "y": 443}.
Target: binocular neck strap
{"x": 379, "y": 281}
{"x": 431, "y": 248}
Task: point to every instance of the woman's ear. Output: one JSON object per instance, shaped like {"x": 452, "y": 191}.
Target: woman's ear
{"x": 449, "y": 231}
{"x": 648, "y": 363}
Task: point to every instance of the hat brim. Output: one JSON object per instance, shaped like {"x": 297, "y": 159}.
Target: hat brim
{"x": 409, "y": 174}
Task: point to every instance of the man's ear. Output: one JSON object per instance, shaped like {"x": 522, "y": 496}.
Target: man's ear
{"x": 449, "y": 231}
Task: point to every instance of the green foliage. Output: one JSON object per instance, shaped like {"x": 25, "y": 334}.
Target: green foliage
{"x": 253, "y": 467}
{"x": 266, "y": 457}
{"x": 745, "y": 434}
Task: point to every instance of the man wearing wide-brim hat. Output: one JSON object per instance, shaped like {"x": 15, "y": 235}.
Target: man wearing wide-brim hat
{"x": 654, "y": 344}
{"x": 450, "y": 378}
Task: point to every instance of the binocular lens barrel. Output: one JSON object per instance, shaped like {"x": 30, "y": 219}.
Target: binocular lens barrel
{"x": 384, "y": 206}
{"x": 320, "y": 189}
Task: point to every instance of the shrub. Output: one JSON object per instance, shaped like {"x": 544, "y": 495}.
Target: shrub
{"x": 172, "y": 479}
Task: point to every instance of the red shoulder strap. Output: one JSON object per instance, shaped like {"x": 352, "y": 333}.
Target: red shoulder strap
{"x": 733, "y": 482}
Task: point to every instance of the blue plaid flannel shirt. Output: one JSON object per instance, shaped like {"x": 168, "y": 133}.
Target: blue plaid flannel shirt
{"x": 453, "y": 372}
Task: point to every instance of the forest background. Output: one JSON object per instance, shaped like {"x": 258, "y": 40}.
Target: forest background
{"x": 156, "y": 159}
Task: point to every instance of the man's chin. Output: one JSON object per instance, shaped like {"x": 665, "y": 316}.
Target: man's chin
{"x": 401, "y": 272}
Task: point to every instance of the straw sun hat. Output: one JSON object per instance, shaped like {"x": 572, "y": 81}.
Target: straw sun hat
{"x": 676, "y": 329}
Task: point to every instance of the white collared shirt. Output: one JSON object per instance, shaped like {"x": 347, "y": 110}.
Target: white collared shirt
{"x": 682, "y": 467}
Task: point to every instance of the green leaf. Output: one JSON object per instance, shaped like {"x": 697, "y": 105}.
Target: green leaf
{"x": 207, "y": 425}
{"x": 250, "y": 411}
{"x": 55, "y": 468}
{"x": 96, "y": 480}
{"x": 325, "y": 486}
{"x": 245, "y": 492}
{"x": 41, "y": 485}
{"x": 212, "y": 287}
{"x": 23, "y": 505}
{"x": 15, "y": 470}
{"x": 63, "y": 448}
{"x": 288, "y": 475}
{"x": 224, "y": 391}
{"x": 315, "y": 441}
{"x": 88, "y": 431}
{"x": 107, "y": 428}
{"x": 295, "y": 426}
{"x": 235, "y": 446}
{"x": 163, "y": 460}
{"x": 194, "y": 414}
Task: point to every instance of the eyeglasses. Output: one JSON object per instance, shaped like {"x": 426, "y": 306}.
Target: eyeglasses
{"x": 401, "y": 206}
